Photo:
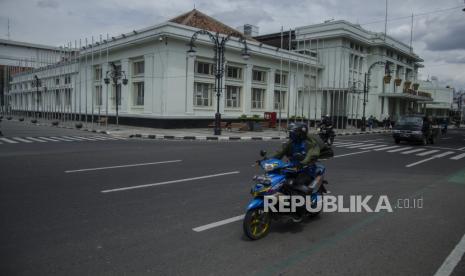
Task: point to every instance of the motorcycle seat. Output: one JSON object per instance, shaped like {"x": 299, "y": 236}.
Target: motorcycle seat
{"x": 303, "y": 189}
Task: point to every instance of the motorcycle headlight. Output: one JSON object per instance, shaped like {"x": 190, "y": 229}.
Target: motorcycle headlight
{"x": 416, "y": 132}
{"x": 262, "y": 179}
{"x": 318, "y": 129}
{"x": 268, "y": 167}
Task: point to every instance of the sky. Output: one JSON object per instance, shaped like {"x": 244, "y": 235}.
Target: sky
{"x": 438, "y": 25}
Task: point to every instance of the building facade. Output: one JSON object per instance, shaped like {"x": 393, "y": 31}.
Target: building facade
{"x": 16, "y": 56}
{"x": 167, "y": 87}
{"x": 320, "y": 69}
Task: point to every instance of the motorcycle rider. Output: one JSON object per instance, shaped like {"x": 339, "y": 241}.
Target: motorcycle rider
{"x": 304, "y": 150}
{"x": 326, "y": 122}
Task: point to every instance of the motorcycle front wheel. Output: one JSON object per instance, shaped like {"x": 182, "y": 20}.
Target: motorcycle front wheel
{"x": 256, "y": 224}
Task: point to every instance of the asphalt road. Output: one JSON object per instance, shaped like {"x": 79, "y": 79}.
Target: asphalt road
{"x": 83, "y": 207}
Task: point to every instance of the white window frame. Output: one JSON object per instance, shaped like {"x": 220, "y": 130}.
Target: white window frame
{"x": 138, "y": 95}
{"x": 233, "y": 97}
{"x": 258, "y": 104}
{"x": 202, "y": 94}
{"x": 238, "y": 72}
{"x": 276, "y": 99}
{"x": 210, "y": 68}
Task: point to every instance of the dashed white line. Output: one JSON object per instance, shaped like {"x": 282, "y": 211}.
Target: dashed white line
{"x": 60, "y": 139}
{"x": 386, "y": 148}
{"x": 374, "y": 147}
{"x": 35, "y": 139}
{"x": 452, "y": 260}
{"x": 353, "y": 153}
{"x": 427, "y": 152}
{"x": 48, "y": 139}
{"x": 8, "y": 140}
{"x": 429, "y": 159}
{"x": 21, "y": 139}
{"x": 122, "y": 166}
{"x": 412, "y": 151}
{"x": 360, "y": 146}
{"x": 218, "y": 223}
{"x": 401, "y": 149}
{"x": 457, "y": 157}
{"x": 168, "y": 182}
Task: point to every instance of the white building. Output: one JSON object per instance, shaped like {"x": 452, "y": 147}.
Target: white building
{"x": 347, "y": 52}
{"x": 319, "y": 70}
{"x": 16, "y": 56}
{"x": 167, "y": 87}
{"x": 442, "y": 97}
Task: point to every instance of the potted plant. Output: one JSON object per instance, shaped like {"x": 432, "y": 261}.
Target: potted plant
{"x": 9, "y": 118}
{"x": 21, "y": 119}
{"x": 253, "y": 123}
{"x": 398, "y": 81}
{"x": 407, "y": 85}
{"x": 78, "y": 125}
{"x": 387, "y": 79}
{"x": 55, "y": 123}
{"x": 415, "y": 86}
{"x": 34, "y": 121}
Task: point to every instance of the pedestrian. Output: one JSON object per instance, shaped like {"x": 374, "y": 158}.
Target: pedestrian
{"x": 370, "y": 122}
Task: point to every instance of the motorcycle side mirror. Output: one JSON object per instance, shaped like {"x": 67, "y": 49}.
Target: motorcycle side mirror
{"x": 262, "y": 153}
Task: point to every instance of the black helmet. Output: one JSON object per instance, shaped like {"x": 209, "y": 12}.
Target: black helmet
{"x": 297, "y": 131}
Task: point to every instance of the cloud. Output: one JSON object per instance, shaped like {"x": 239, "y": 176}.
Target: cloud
{"x": 437, "y": 35}
{"x": 48, "y": 4}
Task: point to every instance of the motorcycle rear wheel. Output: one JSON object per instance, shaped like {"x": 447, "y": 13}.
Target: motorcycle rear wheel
{"x": 256, "y": 224}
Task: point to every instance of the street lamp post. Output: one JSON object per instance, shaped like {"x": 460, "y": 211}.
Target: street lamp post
{"x": 366, "y": 88}
{"x": 115, "y": 74}
{"x": 37, "y": 84}
{"x": 219, "y": 48}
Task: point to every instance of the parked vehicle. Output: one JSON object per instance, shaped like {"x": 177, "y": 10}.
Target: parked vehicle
{"x": 411, "y": 128}
{"x": 327, "y": 134}
{"x": 279, "y": 179}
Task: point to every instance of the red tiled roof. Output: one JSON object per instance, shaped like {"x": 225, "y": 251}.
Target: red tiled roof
{"x": 199, "y": 20}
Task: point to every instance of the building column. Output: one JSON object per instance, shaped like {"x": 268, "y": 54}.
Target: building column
{"x": 248, "y": 89}
{"x": 190, "y": 69}
{"x": 125, "y": 89}
{"x": 270, "y": 91}
{"x": 148, "y": 83}
{"x": 292, "y": 90}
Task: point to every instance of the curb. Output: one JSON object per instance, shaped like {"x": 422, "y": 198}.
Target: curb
{"x": 235, "y": 138}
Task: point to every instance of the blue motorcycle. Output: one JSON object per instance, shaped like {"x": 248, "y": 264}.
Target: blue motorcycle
{"x": 279, "y": 179}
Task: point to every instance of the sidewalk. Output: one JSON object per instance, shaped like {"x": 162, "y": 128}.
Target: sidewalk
{"x": 191, "y": 133}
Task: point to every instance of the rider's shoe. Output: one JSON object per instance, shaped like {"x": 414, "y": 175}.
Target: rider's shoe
{"x": 296, "y": 217}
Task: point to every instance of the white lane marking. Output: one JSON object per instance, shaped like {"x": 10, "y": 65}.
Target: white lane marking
{"x": 100, "y": 138}
{"x": 352, "y": 144}
{"x": 8, "y": 140}
{"x": 359, "y": 146}
{"x": 427, "y": 152}
{"x": 461, "y": 148}
{"x": 446, "y": 138}
{"x": 457, "y": 157}
{"x": 401, "y": 149}
{"x": 168, "y": 182}
{"x": 412, "y": 151}
{"x": 35, "y": 139}
{"x": 122, "y": 166}
{"x": 49, "y": 139}
{"x": 85, "y": 138}
{"x": 72, "y": 138}
{"x": 353, "y": 153}
{"x": 429, "y": 159}
{"x": 373, "y": 147}
{"x": 452, "y": 260}
{"x": 60, "y": 139}
{"x": 218, "y": 223}
{"x": 386, "y": 148}
{"x": 21, "y": 139}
